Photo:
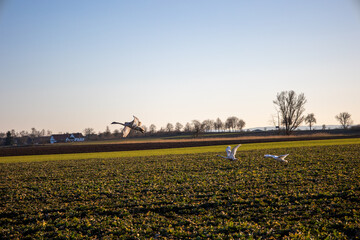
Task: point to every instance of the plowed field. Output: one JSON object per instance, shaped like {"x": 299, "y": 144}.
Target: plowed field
{"x": 161, "y": 144}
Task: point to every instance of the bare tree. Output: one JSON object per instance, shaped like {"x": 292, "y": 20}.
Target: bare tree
{"x": 187, "y": 127}
{"x": 169, "y": 127}
{"x": 291, "y": 108}
{"x": 34, "y": 133}
{"x": 152, "y": 128}
{"x": 107, "y": 132}
{"x": 13, "y": 133}
{"x": 116, "y": 133}
{"x": 23, "y": 133}
{"x": 241, "y": 124}
{"x": 231, "y": 122}
{"x": 178, "y": 127}
{"x": 208, "y": 125}
{"x": 198, "y": 127}
{"x": 218, "y": 124}
{"x": 345, "y": 119}
{"x": 310, "y": 119}
{"x": 42, "y": 133}
{"x": 88, "y": 131}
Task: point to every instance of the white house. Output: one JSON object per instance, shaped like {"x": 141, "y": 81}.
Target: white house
{"x": 73, "y": 137}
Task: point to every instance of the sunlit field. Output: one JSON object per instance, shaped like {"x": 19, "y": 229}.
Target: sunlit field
{"x": 182, "y": 193}
{"x": 172, "y": 151}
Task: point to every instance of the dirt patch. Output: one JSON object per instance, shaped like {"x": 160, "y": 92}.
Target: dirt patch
{"x": 83, "y": 148}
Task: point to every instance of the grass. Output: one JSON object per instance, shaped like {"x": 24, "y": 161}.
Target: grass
{"x": 193, "y": 195}
{"x": 189, "y": 150}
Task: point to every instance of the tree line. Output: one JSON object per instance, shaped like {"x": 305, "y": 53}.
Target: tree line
{"x": 195, "y": 126}
{"x": 289, "y": 105}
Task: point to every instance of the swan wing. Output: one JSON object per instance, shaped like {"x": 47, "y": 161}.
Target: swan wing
{"x": 135, "y": 122}
{"x": 283, "y": 156}
{"x": 233, "y": 152}
{"x": 139, "y": 128}
{"x": 125, "y": 131}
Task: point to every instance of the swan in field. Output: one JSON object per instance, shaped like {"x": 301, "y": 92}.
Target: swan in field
{"x": 280, "y": 158}
{"x": 134, "y": 124}
{"x": 230, "y": 154}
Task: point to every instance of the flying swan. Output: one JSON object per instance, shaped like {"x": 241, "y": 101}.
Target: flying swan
{"x": 230, "y": 154}
{"x": 134, "y": 125}
{"x": 280, "y": 158}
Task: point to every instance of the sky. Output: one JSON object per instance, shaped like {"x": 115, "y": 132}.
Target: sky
{"x": 70, "y": 65}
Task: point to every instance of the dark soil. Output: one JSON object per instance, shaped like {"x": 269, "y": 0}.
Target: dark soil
{"x": 83, "y": 148}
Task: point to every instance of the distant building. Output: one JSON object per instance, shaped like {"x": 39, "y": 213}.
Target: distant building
{"x": 73, "y": 137}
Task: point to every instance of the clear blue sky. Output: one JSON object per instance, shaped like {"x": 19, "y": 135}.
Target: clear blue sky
{"x": 69, "y": 65}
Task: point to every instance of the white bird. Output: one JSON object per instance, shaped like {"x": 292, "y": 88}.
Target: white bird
{"x": 134, "y": 124}
{"x": 230, "y": 154}
{"x": 280, "y": 158}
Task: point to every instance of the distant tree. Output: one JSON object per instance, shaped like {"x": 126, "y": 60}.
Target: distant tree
{"x": 89, "y": 131}
{"x": 42, "y": 133}
{"x": 2, "y": 134}
{"x": 345, "y": 119}
{"x": 116, "y": 133}
{"x": 169, "y": 127}
{"x": 9, "y": 139}
{"x": 231, "y": 122}
{"x": 152, "y": 128}
{"x": 107, "y": 132}
{"x": 310, "y": 119}
{"x": 208, "y": 125}
{"x": 178, "y": 127}
{"x": 197, "y": 127}
{"x": 323, "y": 127}
{"x": 34, "y": 133}
{"x": 187, "y": 127}
{"x": 241, "y": 124}
{"x": 291, "y": 109}
{"x": 13, "y": 133}
{"x": 23, "y": 133}
{"x": 218, "y": 124}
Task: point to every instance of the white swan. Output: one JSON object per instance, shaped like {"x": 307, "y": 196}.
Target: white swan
{"x": 230, "y": 154}
{"x": 280, "y": 158}
{"x": 134, "y": 124}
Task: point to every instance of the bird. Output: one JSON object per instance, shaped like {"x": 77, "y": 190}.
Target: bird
{"x": 280, "y": 158}
{"x": 230, "y": 154}
{"x": 134, "y": 125}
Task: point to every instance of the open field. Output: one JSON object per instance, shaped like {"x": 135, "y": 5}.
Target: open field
{"x": 173, "y": 151}
{"x": 155, "y": 143}
{"x": 316, "y": 195}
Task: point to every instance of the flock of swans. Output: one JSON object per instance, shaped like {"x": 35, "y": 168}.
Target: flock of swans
{"x": 135, "y": 125}
{"x": 230, "y": 154}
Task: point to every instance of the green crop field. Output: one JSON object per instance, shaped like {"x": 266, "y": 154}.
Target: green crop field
{"x": 188, "y": 150}
{"x": 185, "y": 193}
